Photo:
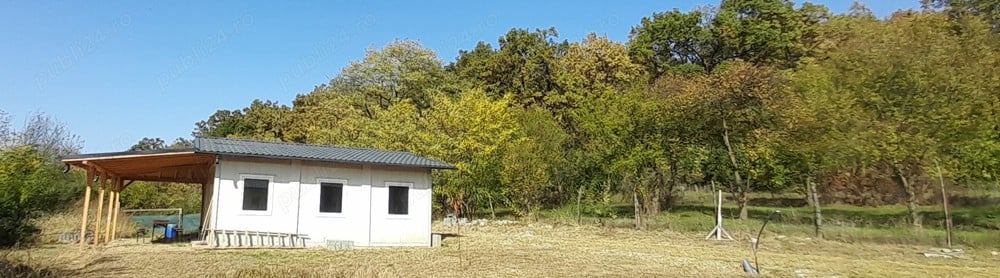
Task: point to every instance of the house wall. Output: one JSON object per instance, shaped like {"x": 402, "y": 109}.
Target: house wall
{"x": 385, "y": 226}
{"x": 293, "y": 201}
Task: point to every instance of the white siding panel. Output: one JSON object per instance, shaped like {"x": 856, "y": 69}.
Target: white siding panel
{"x": 282, "y": 200}
{"x": 293, "y": 205}
{"x": 412, "y": 229}
{"x": 352, "y": 223}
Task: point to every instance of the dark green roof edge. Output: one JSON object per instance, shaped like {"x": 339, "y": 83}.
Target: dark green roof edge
{"x": 361, "y": 156}
{"x": 428, "y": 163}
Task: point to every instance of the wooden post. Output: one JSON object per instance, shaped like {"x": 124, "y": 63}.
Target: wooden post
{"x": 86, "y": 207}
{"x": 635, "y": 204}
{"x": 944, "y": 199}
{"x": 579, "y": 207}
{"x": 112, "y": 216}
{"x": 117, "y": 203}
{"x": 100, "y": 206}
{"x": 107, "y": 223}
{"x": 818, "y": 221}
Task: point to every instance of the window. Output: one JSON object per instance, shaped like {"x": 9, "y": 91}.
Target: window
{"x": 331, "y": 197}
{"x": 255, "y": 194}
{"x": 399, "y": 197}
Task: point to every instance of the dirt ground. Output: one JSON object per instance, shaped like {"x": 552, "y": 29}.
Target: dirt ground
{"x": 536, "y": 250}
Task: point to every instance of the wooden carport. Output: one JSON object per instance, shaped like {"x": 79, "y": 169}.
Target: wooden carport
{"x": 123, "y": 168}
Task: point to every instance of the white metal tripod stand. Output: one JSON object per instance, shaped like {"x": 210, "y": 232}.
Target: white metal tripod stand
{"x": 719, "y": 232}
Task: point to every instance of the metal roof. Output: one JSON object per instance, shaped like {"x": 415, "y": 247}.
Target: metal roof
{"x": 251, "y": 148}
{"x": 293, "y": 151}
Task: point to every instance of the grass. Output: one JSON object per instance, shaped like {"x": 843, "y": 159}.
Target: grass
{"x": 54, "y": 225}
{"x": 859, "y": 242}
{"x": 527, "y": 249}
{"x": 975, "y": 225}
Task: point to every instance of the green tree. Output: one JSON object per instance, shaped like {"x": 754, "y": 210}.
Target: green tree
{"x": 31, "y": 183}
{"x": 146, "y": 144}
{"x": 470, "y": 132}
{"x": 989, "y": 10}
{"x": 905, "y": 109}
{"x": 763, "y": 32}
{"x": 262, "y": 120}
{"x": 222, "y": 124}
{"x": 402, "y": 70}
{"x": 595, "y": 65}
{"x": 524, "y": 67}
{"x": 733, "y": 114}
{"x": 531, "y": 163}
{"x": 31, "y": 180}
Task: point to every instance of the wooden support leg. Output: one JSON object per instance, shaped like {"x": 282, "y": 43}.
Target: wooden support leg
{"x": 116, "y": 211}
{"x": 86, "y": 208}
{"x": 100, "y": 208}
{"x": 100, "y": 211}
{"x": 107, "y": 223}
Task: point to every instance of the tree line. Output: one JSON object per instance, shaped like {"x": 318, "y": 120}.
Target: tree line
{"x": 749, "y": 96}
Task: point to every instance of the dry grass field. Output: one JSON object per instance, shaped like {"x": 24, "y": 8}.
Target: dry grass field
{"x": 519, "y": 250}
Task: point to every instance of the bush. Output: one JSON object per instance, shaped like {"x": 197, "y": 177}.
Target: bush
{"x": 31, "y": 184}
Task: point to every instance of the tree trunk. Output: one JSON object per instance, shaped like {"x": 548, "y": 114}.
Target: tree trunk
{"x": 911, "y": 199}
{"x": 579, "y": 208}
{"x": 808, "y": 193}
{"x": 816, "y": 209}
{"x": 493, "y": 211}
{"x": 651, "y": 202}
{"x": 638, "y": 210}
{"x": 743, "y": 199}
{"x": 741, "y": 188}
{"x": 669, "y": 199}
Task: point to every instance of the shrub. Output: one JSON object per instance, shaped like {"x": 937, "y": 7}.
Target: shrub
{"x": 31, "y": 184}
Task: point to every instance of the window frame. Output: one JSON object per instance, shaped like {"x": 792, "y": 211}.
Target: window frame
{"x": 241, "y": 184}
{"x": 343, "y": 193}
{"x": 389, "y": 185}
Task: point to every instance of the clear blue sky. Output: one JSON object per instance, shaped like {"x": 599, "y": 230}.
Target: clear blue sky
{"x": 118, "y": 71}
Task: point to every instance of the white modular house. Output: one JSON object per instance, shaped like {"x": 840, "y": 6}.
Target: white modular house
{"x": 252, "y": 190}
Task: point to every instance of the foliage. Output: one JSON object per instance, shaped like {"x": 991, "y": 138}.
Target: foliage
{"x": 524, "y": 67}
{"x": 989, "y": 10}
{"x": 402, "y": 70}
{"x": 751, "y": 95}
{"x": 31, "y": 183}
{"x": 262, "y": 120}
{"x": 763, "y": 32}
{"x": 902, "y": 110}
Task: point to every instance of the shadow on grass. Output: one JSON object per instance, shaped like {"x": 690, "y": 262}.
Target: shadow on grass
{"x": 10, "y": 268}
{"x": 14, "y": 268}
{"x": 448, "y": 235}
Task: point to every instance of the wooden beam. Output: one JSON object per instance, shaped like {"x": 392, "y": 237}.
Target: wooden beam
{"x": 97, "y": 168}
{"x": 125, "y": 185}
{"x": 206, "y": 215}
{"x": 132, "y": 166}
{"x": 107, "y": 225}
{"x": 86, "y": 207}
{"x": 164, "y": 179}
{"x": 118, "y": 204}
{"x": 100, "y": 207}
{"x": 134, "y": 155}
{"x": 107, "y": 228}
